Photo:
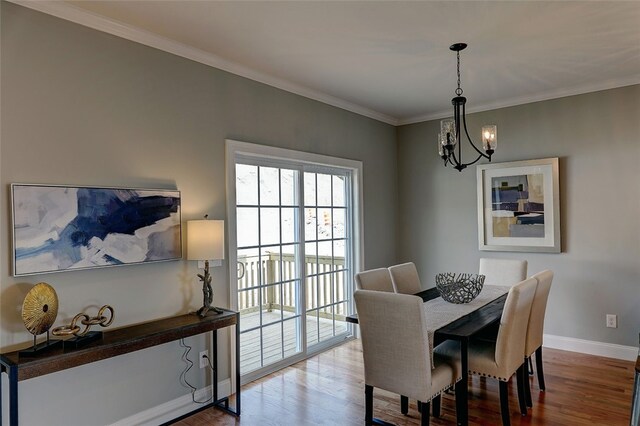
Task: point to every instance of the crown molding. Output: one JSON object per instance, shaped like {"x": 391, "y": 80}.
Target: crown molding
{"x": 528, "y": 99}
{"x": 66, "y": 11}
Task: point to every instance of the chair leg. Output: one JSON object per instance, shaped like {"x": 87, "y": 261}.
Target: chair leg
{"x": 436, "y": 405}
{"x": 527, "y": 386}
{"x": 404, "y": 404}
{"x": 530, "y": 366}
{"x": 521, "y": 376}
{"x": 424, "y": 413}
{"x": 539, "y": 368}
{"x": 368, "y": 405}
{"x": 504, "y": 403}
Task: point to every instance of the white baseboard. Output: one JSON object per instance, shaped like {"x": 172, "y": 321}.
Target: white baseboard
{"x": 170, "y": 410}
{"x": 609, "y": 350}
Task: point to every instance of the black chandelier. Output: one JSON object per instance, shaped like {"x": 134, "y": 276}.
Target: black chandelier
{"x": 450, "y": 134}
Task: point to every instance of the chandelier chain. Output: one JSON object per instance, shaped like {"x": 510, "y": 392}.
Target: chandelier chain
{"x": 459, "y": 89}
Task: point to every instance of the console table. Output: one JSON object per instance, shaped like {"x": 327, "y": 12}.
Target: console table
{"x": 119, "y": 342}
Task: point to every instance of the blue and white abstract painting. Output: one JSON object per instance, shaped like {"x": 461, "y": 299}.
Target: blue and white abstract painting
{"x": 60, "y": 228}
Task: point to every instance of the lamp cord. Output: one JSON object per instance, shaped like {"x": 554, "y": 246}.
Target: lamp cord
{"x": 183, "y": 375}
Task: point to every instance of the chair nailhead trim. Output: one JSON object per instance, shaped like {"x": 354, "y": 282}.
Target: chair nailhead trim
{"x": 488, "y": 375}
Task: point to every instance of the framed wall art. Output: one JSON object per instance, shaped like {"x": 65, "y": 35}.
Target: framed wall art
{"x": 519, "y": 206}
{"x": 63, "y": 228}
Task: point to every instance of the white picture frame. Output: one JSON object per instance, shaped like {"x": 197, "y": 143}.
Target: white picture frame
{"x": 519, "y": 206}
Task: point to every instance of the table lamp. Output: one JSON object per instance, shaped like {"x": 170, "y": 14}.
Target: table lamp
{"x": 205, "y": 241}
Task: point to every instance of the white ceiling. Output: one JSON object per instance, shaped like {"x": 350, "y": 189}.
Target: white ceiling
{"x": 390, "y": 60}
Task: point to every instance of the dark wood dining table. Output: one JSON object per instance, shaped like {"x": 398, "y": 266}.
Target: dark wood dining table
{"x": 462, "y": 330}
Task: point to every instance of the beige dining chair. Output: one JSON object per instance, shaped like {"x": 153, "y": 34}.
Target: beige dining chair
{"x": 535, "y": 328}
{"x": 505, "y": 272}
{"x": 374, "y": 279}
{"x": 502, "y": 358}
{"x": 405, "y": 278}
{"x": 396, "y": 354}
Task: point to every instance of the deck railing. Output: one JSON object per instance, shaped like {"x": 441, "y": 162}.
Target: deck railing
{"x": 273, "y": 297}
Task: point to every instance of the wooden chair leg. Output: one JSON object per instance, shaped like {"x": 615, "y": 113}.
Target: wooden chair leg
{"x": 527, "y": 386}
{"x": 368, "y": 405}
{"x": 424, "y": 413}
{"x": 404, "y": 404}
{"x": 436, "y": 405}
{"x": 539, "y": 368}
{"x": 504, "y": 403}
{"x": 521, "y": 376}
{"x": 530, "y": 366}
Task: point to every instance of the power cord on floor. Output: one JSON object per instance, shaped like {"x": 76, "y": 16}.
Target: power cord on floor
{"x": 183, "y": 375}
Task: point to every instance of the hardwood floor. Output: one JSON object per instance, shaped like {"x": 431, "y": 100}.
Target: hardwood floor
{"x": 328, "y": 389}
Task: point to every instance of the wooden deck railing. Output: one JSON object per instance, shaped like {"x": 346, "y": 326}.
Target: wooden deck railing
{"x": 268, "y": 266}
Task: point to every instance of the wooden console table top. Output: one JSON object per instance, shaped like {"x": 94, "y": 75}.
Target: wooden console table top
{"x": 118, "y": 342}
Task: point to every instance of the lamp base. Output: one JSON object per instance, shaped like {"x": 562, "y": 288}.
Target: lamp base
{"x": 202, "y": 312}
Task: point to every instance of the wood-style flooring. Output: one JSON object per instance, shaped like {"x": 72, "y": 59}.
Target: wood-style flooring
{"x": 328, "y": 389}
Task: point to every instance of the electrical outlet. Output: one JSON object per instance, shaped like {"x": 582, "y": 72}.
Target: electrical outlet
{"x": 203, "y": 357}
{"x": 612, "y": 321}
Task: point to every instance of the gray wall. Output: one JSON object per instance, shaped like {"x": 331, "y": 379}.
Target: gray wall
{"x": 596, "y": 136}
{"x": 83, "y": 107}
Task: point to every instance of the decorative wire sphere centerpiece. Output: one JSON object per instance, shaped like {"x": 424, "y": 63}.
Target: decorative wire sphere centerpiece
{"x": 459, "y": 288}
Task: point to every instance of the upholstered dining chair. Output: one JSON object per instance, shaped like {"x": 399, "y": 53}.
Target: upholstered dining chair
{"x": 374, "y": 279}
{"x": 396, "y": 354}
{"x": 505, "y": 272}
{"x": 503, "y": 358}
{"x": 405, "y": 278}
{"x": 535, "y": 328}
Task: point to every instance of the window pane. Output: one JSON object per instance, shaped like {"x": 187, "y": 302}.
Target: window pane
{"x": 250, "y": 351}
{"x": 326, "y": 323}
{"x": 310, "y": 224}
{"x": 325, "y": 290}
{"x": 339, "y": 220}
{"x": 338, "y": 255}
{"x": 269, "y": 225}
{"x": 249, "y": 305}
{"x": 269, "y": 186}
{"x": 288, "y": 222}
{"x": 271, "y": 304}
{"x": 312, "y": 327}
{"x": 309, "y": 189}
{"x": 247, "y": 268}
{"x": 291, "y": 346}
{"x": 270, "y": 261}
{"x": 289, "y": 254}
{"x": 338, "y": 191}
{"x": 312, "y": 292}
{"x": 272, "y": 343}
{"x": 325, "y": 250}
{"x": 340, "y": 312}
{"x": 246, "y": 184}
{"x": 324, "y": 190}
{"x": 340, "y": 293}
{"x": 247, "y": 229}
{"x": 324, "y": 224}
{"x": 288, "y": 185}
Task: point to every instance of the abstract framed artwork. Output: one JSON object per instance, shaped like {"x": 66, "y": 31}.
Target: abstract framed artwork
{"x": 519, "y": 206}
{"x": 64, "y": 228}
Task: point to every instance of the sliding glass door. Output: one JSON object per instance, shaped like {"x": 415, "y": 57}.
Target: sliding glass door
{"x": 295, "y": 260}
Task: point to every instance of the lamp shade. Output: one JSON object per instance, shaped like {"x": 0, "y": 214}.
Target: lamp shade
{"x": 205, "y": 239}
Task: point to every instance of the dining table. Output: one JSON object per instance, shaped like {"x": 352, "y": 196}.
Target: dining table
{"x": 460, "y": 322}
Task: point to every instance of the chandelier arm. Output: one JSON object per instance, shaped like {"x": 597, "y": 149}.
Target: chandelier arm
{"x": 476, "y": 160}
{"x": 464, "y": 122}
{"x": 455, "y": 161}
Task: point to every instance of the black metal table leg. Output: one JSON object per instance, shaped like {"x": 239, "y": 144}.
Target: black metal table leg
{"x": 214, "y": 338}
{"x": 462, "y": 387}
{"x": 13, "y": 396}
{"x": 238, "y": 365}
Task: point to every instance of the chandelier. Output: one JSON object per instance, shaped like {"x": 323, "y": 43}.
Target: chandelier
{"x": 450, "y": 129}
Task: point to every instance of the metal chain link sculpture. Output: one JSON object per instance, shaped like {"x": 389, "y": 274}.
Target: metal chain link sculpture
{"x": 74, "y": 329}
